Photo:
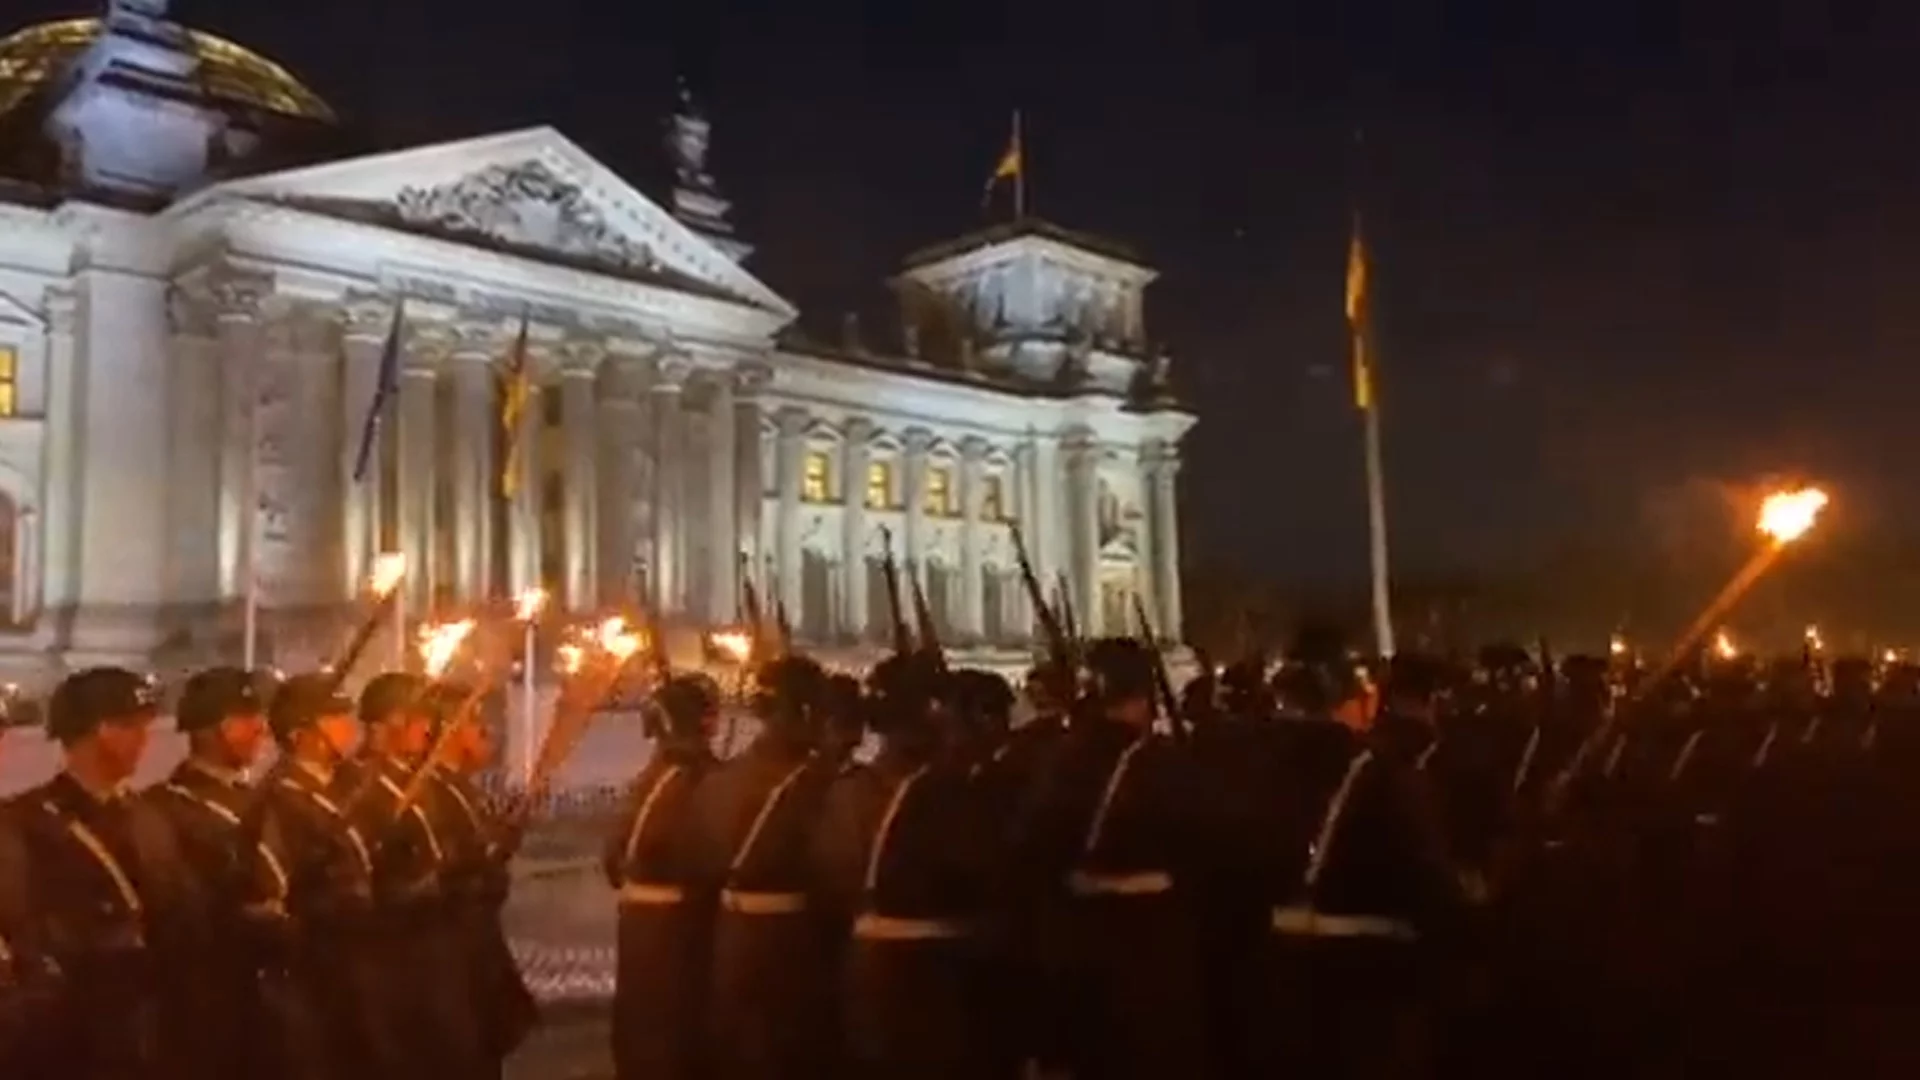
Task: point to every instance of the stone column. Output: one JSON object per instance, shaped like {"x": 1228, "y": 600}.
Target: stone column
{"x": 419, "y": 382}
{"x": 474, "y": 478}
{"x": 525, "y": 540}
{"x": 668, "y": 573}
{"x": 792, "y": 424}
{"x": 750, "y": 487}
{"x": 238, "y": 299}
{"x": 853, "y": 544}
{"x": 363, "y": 340}
{"x": 971, "y": 623}
{"x": 913, "y": 489}
{"x": 1146, "y": 573}
{"x": 65, "y": 423}
{"x": 723, "y": 503}
{"x": 1166, "y": 544}
{"x": 1019, "y": 614}
{"x": 619, "y": 473}
{"x": 579, "y": 428}
{"x": 1082, "y": 451}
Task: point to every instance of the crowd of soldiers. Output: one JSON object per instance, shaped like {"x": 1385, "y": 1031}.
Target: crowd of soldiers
{"x": 1327, "y": 869}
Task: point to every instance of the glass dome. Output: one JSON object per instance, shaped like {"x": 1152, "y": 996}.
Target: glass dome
{"x": 230, "y": 73}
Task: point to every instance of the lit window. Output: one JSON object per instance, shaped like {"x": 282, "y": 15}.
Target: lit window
{"x": 991, "y": 508}
{"x": 9, "y": 380}
{"x": 939, "y": 491}
{"x": 813, "y": 479}
{"x": 879, "y": 485}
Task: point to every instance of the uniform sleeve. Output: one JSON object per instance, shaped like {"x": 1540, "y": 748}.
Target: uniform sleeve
{"x": 1441, "y": 903}
{"x": 16, "y": 904}
{"x": 838, "y": 862}
{"x": 613, "y": 854}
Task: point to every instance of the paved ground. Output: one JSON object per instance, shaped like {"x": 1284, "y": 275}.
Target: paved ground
{"x": 560, "y": 920}
{"x": 571, "y": 1045}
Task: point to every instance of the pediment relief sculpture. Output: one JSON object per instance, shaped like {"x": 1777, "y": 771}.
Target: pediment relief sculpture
{"x": 527, "y": 205}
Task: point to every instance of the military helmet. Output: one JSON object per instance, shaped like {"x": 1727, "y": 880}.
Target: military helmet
{"x": 87, "y": 699}
{"x": 1243, "y": 688}
{"x": 213, "y": 696}
{"x": 680, "y": 705}
{"x": 1414, "y": 676}
{"x": 302, "y": 700}
{"x": 1120, "y": 669}
{"x": 982, "y": 697}
{"x": 789, "y": 691}
{"x": 391, "y": 692}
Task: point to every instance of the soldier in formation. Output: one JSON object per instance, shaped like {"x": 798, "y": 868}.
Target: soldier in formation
{"x": 1324, "y": 867}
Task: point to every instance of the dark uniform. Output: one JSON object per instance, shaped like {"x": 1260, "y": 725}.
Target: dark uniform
{"x": 477, "y": 844}
{"x": 751, "y": 820}
{"x": 1106, "y": 842}
{"x": 32, "y": 992}
{"x": 666, "y": 917}
{"x": 243, "y": 878}
{"x": 900, "y": 861}
{"x": 108, "y": 896}
{"x": 426, "y": 999}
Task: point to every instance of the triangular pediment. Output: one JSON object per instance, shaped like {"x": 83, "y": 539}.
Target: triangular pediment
{"x": 532, "y": 193}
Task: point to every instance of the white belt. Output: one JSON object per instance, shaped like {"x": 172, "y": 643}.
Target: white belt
{"x": 649, "y": 894}
{"x": 1144, "y": 883}
{"x": 763, "y": 903}
{"x": 1306, "y": 922}
{"x": 871, "y": 927}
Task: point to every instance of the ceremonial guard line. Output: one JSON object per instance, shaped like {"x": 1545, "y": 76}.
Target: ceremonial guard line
{"x": 1328, "y": 867}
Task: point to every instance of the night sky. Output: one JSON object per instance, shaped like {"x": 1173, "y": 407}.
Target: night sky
{"x": 1627, "y": 253}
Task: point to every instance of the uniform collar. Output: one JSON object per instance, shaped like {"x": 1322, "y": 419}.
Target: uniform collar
{"x": 323, "y": 774}
{"x": 91, "y": 794}
{"x": 217, "y": 773}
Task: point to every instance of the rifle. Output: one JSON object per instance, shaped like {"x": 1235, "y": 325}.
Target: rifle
{"x": 782, "y": 626}
{"x": 890, "y": 573}
{"x": 1059, "y": 645}
{"x": 929, "y": 630}
{"x": 656, "y": 639}
{"x": 1162, "y": 683}
{"x": 1067, "y": 616}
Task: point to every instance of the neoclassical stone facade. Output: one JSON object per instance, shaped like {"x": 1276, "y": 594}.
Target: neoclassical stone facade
{"x": 183, "y": 389}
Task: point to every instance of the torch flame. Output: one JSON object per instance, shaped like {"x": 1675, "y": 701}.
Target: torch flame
{"x": 439, "y": 642}
{"x": 1814, "y": 641}
{"x": 527, "y": 608}
{"x": 1723, "y": 646}
{"x": 570, "y": 658}
{"x": 1785, "y": 516}
{"x": 388, "y": 571}
{"x": 737, "y": 644}
{"x": 618, "y": 642}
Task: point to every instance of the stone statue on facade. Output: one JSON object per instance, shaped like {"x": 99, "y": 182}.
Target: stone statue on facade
{"x": 145, "y": 9}
{"x": 687, "y": 142}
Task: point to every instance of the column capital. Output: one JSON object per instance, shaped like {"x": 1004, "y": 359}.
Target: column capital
{"x": 791, "y": 420}
{"x": 239, "y": 296}
{"x": 670, "y": 373}
{"x": 365, "y": 318}
{"x": 973, "y": 449}
{"x": 917, "y": 439}
{"x": 750, "y": 378}
{"x": 63, "y": 309}
{"x": 477, "y": 339}
{"x": 858, "y": 428}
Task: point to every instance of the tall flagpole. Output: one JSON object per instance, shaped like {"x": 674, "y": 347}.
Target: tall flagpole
{"x": 250, "y": 524}
{"x": 1377, "y": 534}
{"x": 1367, "y": 399}
{"x": 1020, "y": 170}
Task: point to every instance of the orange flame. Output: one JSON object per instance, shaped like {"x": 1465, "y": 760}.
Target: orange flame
{"x": 617, "y": 641}
{"x": 528, "y": 607}
{"x": 1723, "y": 646}
{"x": 440, "y": 642}
{"x": 570, "y": 658}
{"x": 1785, "y": 516}
{"x": 737, "y": 644}
{"x": 388, "y": 571}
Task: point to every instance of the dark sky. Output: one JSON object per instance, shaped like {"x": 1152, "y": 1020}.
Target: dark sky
{"x": 1626, "y": 249}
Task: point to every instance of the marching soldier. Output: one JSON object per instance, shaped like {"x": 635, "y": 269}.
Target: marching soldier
{"x": 666, "y": 918}
{"x": 109, "y": 897}
{"x": 751, "y": 820}
{"x": 900, "y": 860}
{"x": 222, "y": 713}
{"x": 475, "y": 879}
{"x": 33, "y": 994}
{"x": 338, "y": 964}
{"x": 1357, "y": 932}
{"x": 426, "y": 999}
{"x": 1108, "y": 837}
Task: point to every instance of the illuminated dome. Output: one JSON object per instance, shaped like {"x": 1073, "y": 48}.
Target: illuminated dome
{"x": 230, "y": 73}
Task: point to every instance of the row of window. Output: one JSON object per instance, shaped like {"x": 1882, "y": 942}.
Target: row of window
{"x": 939, "y": 497}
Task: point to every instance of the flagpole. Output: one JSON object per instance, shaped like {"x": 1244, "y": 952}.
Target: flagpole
{"x": 250, "y": 523}
{"x": 1377, "y": 534}
{"x": 1020, "y": 170}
